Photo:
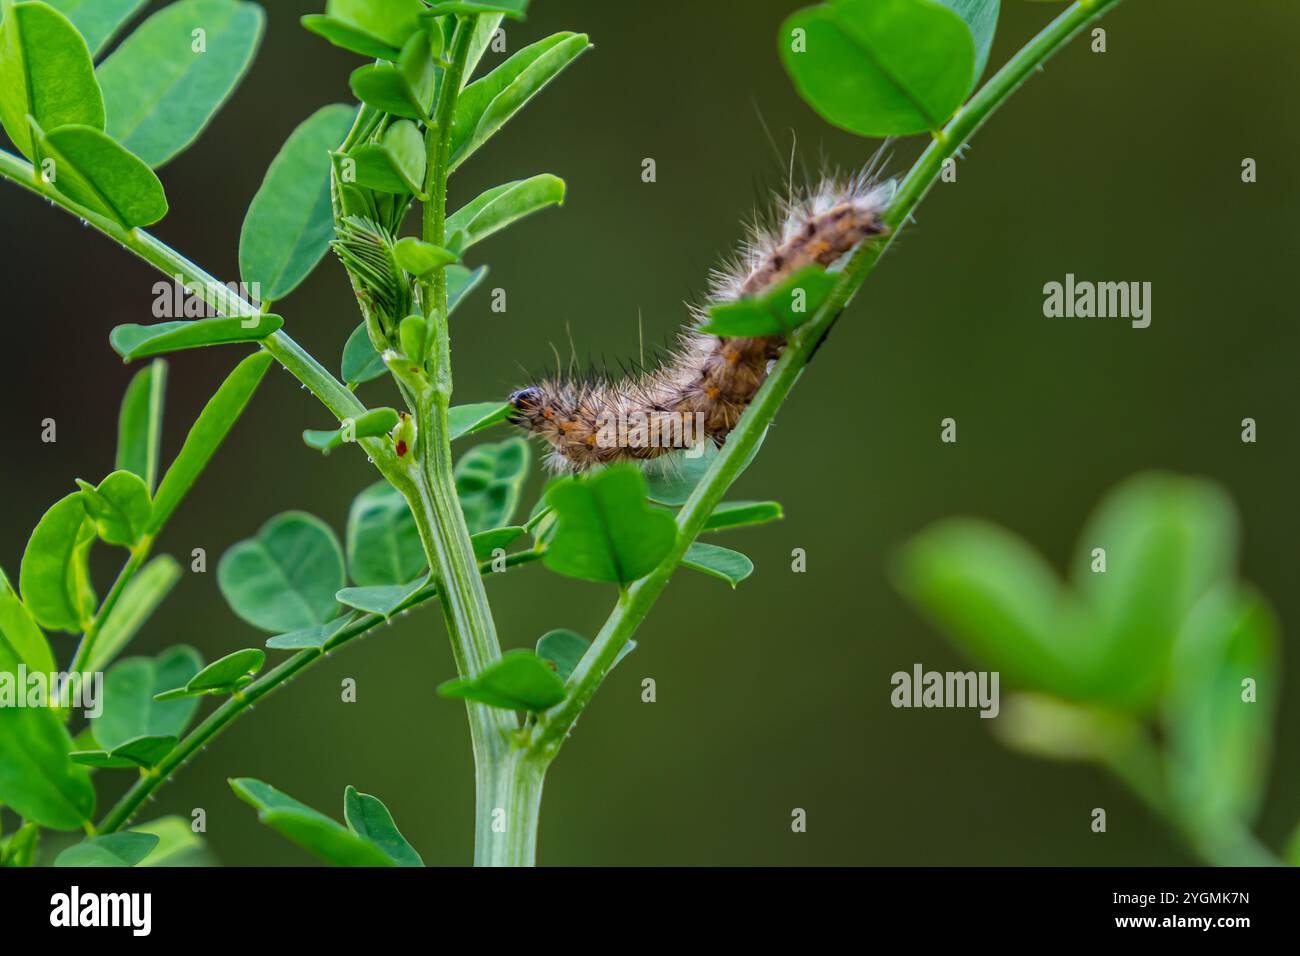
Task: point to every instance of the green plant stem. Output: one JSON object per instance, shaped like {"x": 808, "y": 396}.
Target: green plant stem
{"x": 431, "y": 492}
{"x": 84, "y": 649}
{"x": 636, "y": 601}
{"x": 332, "y": 394}
{"x": 241, "y": 702}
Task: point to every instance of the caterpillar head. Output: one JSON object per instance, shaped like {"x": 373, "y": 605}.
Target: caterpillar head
{"x": 527, "y": 405}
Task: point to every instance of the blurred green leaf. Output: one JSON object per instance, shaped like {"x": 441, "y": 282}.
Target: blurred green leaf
{"x": 140, "y": 598}
{"x": 120, "y": 507}
{"x": 22, "y": 634}
{"x": 369, "y": 424}
{"x": 164, "y": 83}
{"x": 488, "y": 104}
{"x": 54, "y": 577}
{"x": 94, "y": 170}
{"x": 286, "y": 577}
{"x": 114, "y": 849}
{"x": 461, "y": 282}
{"x": 1000, "y": 603}
{"x": 394, "y": 165}
{"x": 731, "y": 566}
{"x": 206, "y": 435}
{"x": 141, "y": 341}
{"x": 981, "y": 18}
{"x": 1167, "y": 541}
{"x": 383, "y": 542}
{"x": 1045, "y": 726}
{"x": 499, "y": 206}
{"x": 518, "y": 680}
{"x": 605, "y": 530}
{"x": 779, "y": 311}
{"x": 19, "y": 849}
{"x": 177, "y": 841}
{"x": 369, "y": 819}
{"x": 310, "y": 829}
{"x": 467, "y": 419}
{"x": 562, "y": 649}
{"x": 743, "y": 514}
{"x": 98, "y": 20}
{"x": 37, "y": 780}
{"x": 290, "y": 222}
{"x": 139, "y": 423}
{"x": 1218, "y": 712}
{"x": 130, "y": 711}
{"x": 375, "y": 28}
{"x": 45, "y": 73}
{"x": 489, "y": 481}
{"x": 880, "y": 67}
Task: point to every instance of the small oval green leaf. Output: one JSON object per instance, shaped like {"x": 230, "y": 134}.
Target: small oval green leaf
{"x": 286, "y": 577}
{"x": 518, "y": 680}
{"x": 54, "y": 578}
{"x": 94, "y": 170}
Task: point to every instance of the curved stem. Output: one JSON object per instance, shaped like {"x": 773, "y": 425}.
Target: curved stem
{"x": 636, "y": 601}
{"x": 241, "y": 702}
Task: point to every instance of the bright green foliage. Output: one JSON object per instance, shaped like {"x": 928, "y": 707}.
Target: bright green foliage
{"x": 420, "y": 258}
{"x": 142, "y": 341}
{"x": 178, "y": 844}
{"x": 373, "y": 28}
{"x": 605, "y": 529}
{"x": 880, "y": 67}
{"x": 114, "y": 849}
{"x": 404, "y": 88}
{"x": 369, "y": 819}
{"x": 488, "y": 104}
{"x": 519, "y": 680}
{"x": 395, "y": 164}
{"x": 742, "y": 514}
{"x": 369, "y": 424}
{"x": 94, "y": 170}
{"x": 315, "y": 636}
{"x": 45, "y": 73}
{"x": 224, "y": 676}
{"x": 515, "y": 9}
{"x": 465, "y": 420}
{"x": 732, "y": 566}
{"x": 286, "y": 577}
{"x": 500, "y": 206}
{"x": 143, "y": 752}
{"x": 54, "y": 577}
{"x": 37, "y": 780}
{"x": 981, "y": 18}
{"x": 130, "y": 686}
{"x": 312, "y": 830}
{"x": 208, "y": 432}
{"x": 290, "y": 223}
{"x": 779, "y": 311}
{"x": 140, "y": 598}
{"x": 381, "y": 599}
{"x": 119, "y": 507}
{"x": 489, "y": 481}
{"x": 164, "y": 83}
{"x": 139, "y": 424}
{"x": 98, "y": 20}
{"x": 383, "y": 541}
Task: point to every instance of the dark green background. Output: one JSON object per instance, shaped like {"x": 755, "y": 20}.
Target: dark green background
{"x": 1115, "y": 166}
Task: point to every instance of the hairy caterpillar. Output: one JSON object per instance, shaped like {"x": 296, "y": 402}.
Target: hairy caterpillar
{"x": 703, "y": 388}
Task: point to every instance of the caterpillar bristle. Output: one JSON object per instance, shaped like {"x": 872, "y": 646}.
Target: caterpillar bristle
{"x": 703, "y": 383}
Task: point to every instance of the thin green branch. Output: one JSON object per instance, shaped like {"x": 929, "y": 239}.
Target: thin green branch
{"x": 635, "y": 603}
{"x": 238, "y": 704}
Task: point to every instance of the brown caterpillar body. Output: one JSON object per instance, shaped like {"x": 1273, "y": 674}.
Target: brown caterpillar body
{"x": 709, "y": 381}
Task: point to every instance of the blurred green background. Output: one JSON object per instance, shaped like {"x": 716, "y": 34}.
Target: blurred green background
{"x": 1116, "y": 166}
